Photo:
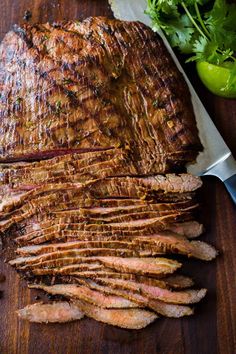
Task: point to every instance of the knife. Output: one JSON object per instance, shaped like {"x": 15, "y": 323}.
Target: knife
{"x": 216, "y": 159}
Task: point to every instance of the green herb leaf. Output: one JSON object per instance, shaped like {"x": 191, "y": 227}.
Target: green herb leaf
{"x": 221, "y": 22}
{"x": 155, "y": 103}
{"x": 66, "y": 81}
{"x": 58, "y": 107}
{"x": 190, "y": 26}
{"x": 180, "y": 32}
{"x": 169, "y": 7}
{"x": 18, "y": 100}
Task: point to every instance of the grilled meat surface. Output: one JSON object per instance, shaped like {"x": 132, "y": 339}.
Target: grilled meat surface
{"x": 94, "y": 85}
{"x": 96, "y": 127}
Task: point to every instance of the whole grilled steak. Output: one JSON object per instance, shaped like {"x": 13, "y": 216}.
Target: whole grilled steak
{"x": 95, "y": 121}
{"x": 94, "y": 85}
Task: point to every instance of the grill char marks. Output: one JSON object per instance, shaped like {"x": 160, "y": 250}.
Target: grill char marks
{"x": 96, "y": 121}
{"x": 73, "y": 83}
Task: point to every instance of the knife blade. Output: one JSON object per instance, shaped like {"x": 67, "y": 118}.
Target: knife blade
{"x": 216, "y": 158}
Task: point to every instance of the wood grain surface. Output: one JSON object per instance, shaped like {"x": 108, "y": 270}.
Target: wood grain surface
{"x": 213, "y": 328}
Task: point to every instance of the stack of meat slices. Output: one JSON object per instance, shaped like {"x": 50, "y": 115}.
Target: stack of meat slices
{"x": 92, "y": 185}
{"x": 102, "y": 244}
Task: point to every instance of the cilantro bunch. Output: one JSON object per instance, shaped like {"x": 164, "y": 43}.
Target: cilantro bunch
{"x": 206, "y": 29}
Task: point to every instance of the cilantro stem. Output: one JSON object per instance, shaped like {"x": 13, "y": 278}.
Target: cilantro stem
{"x": 192, "y": 20}
{"x": 201, "y": 20}
{"x": 229, "y": 57}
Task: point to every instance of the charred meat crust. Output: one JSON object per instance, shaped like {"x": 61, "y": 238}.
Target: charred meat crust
{"x": 94, "y": 83}
{"x": 95, "y": 122}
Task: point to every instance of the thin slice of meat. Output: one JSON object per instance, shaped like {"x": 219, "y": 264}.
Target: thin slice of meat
{"x": 190, "y": 229}
{"x": 57, "y": 247}
{"x": 155, "y": 292}
{"x": 178, "y": 281}
{"x": 65, "y": 274}
{"x": 60, "y": 312}
{"x": 128, "y": 187}
{"x": 70, "y": 221}
{"x": 91, "y": 172}
{"x": 53, "y": 196}
{"x": 58, "y": 163}
{"x": 111, "y": 274}
{"x": 42, "y": 197}
{"x": 162, "y": 243}
{"x": 134, "y": 213}
{"x": 169, "y": 183}
{"x": 134, "y": 206}
{"x": 124, "y": 318}
{"x": 44, "y": 220}
{"x": 40, "y": 233}
{"x": 151, "y": 266}
{"x": 66, "y": 232}
{"x": 71, "y": 233}
{"x": 131, "y": 217}
{"x": 159, "y": 223}
{"x": 71, "y": 167}
{"x": 62, "y": 266}
{"x": 145, "y": 266}
{"x": 174, "y": 281}
{"x": 100, "y": 225}
{"x": 89, "y": 246}
{"x": 173, "y": 243}
{"x": 160, "y": 307}
{"x": 100, "y": 208}
{"x": 141, "y": 215}
{"x": 85, "y": 294}
{"x": 65, "y": 168}
{"x": 38, "y": 205}
{"x": 34, "y": 207}
{"x": 108, "y": 273}
{"x": 78, "y": 253}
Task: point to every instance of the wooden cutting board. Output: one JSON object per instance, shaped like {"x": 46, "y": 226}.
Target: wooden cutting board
{"x": 213, "y": 328}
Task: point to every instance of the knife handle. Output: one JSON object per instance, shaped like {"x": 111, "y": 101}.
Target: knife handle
{"x": 230, "y": 184}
